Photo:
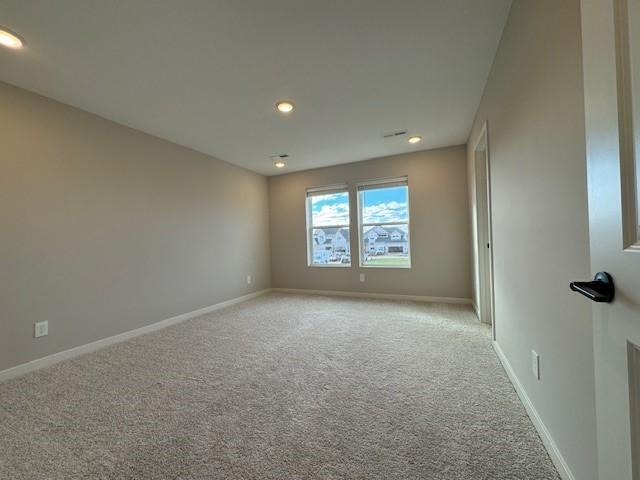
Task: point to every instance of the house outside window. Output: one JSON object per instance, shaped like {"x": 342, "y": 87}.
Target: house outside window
{"x": 328, "y": 236}
{"x": 383, "y": 217}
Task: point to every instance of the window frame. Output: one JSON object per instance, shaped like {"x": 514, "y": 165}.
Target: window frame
{"x": 382, "y": 183}
{"x": 317, "y": 191}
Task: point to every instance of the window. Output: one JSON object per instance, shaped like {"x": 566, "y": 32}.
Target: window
{"x": 383, "y": 214}
{"x": 328, "y": 227}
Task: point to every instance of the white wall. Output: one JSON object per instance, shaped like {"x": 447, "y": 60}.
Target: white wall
{"x": 533, "y": 103}
{"x": 106, "y": 229}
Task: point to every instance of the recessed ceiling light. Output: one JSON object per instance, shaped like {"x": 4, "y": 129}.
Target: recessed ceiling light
{"x": 284, "y": 106}
{"x": 278, "y": 160}
{"x": 10, "y": 40}
{"x": 415, "y": 139}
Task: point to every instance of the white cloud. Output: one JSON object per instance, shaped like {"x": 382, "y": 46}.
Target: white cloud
{"x": 386, "y": 212}
{"x": 326, "y": 213}
{"x": 328, "y": 197}
{"x": 335, "y": 214}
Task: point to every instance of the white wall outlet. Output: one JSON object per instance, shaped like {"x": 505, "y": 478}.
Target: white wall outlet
{"x": 249, "y": 279}
{"x": 362, "y": 277}
{"x": 41, "y": 329}
{"x": 535, "y": 364}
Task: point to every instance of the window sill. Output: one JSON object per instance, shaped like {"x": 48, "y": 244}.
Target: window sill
{"x": 344, "y": 265}
{"x": 403, "y": 267}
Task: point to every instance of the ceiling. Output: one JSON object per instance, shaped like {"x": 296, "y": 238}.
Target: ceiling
{"x": 206, "y": 73}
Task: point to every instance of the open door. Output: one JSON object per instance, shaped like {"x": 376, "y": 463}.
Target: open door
{"x": 611, "y": 54}
{"x": 483, "y": 227}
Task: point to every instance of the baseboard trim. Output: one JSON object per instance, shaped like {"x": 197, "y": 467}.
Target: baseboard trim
{"x": 382, "y": 296}
{"x": 54, "y": 358}
{"x": 554, "y": 452}
{"x": 475, "y": 307}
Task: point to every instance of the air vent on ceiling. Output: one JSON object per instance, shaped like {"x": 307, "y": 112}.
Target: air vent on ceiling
{"x": 399, "y": 133}
{"x": 278, "y": 157}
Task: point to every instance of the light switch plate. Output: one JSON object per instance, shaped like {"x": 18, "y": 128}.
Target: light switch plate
{"x": 41, "y": 329}
{"x": 535, "y": 364}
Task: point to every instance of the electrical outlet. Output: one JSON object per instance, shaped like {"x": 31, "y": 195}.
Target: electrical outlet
{"x": 362, "y": 277}
{"x": 41, "y": 329}
{"x": 248, "y": 279}
{"x": 535, "y": 364}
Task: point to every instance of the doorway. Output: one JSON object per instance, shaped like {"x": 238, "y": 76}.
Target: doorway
{"x": 483, "y": 228}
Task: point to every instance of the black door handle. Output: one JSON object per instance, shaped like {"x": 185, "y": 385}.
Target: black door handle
{"x": 601, "y": 289}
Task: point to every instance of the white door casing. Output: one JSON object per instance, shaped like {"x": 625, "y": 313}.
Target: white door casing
{"x": 483, "y": 228}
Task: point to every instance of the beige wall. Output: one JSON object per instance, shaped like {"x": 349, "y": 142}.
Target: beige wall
{"x": 105, "y": 229}
{"x": 439, "y": 227}
{"x": 533, "y": 103}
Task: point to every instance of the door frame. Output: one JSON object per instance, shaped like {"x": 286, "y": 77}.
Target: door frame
{"x": 484, "y": 231}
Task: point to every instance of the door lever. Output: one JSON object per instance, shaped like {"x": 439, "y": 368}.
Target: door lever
{"x": 601, "y": 289}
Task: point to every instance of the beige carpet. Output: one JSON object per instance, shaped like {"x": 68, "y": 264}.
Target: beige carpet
{"x": 281, "y": 387}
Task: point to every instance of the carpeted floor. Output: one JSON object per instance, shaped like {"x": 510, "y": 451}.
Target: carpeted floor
{"x": 281, "y": 387}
